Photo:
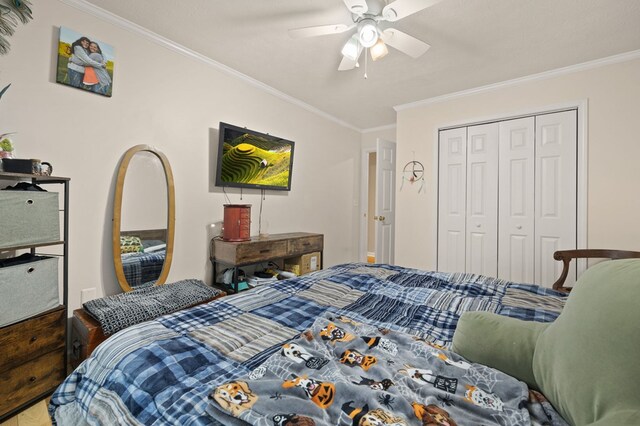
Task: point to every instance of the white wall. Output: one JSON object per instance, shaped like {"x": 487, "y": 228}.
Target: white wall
{"x": 370, "y": 137}
{"x": 174, "y": 103}
{"x": 613, "y": 145}
{"x": 144, "y": 194}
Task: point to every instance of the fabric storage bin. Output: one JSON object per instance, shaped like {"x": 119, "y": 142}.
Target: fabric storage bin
{"x": 28, "y": 217}
{"x": 28, "y": 286}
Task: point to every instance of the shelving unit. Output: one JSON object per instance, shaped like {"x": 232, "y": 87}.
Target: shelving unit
{"x": 33, "y": 353}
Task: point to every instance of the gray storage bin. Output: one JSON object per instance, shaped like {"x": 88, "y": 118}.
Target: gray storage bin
{"x": 28, "y": 289}
{"x": 28, "y": 217}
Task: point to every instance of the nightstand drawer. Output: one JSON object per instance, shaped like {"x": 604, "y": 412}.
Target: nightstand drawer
{"x": 31, "y": 380}
{"x": 305, "y": 245}
{"x": 31, "y": 338}
{"x": 258, "y": 251}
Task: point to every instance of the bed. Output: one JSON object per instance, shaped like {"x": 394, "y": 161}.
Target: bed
{"x": 143, "y": 257}
{"x": 184, "y": 367}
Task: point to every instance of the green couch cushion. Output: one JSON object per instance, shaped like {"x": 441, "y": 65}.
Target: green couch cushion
{"x": 504, "y": 343}
{"x": 587, "y": 361}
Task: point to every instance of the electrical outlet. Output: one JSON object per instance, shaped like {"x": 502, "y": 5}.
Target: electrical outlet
{"x": 87, "y": 294}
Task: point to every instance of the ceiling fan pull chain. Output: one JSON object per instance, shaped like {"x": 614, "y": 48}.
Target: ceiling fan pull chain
{"x": 365, "y": 63}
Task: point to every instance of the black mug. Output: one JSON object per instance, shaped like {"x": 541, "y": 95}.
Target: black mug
{"x": 41, "y": 168}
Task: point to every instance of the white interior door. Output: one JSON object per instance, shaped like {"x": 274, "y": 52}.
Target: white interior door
{"x": 516, "y": 193}
{"x": 385, "y": 201}
{"x": 556, "y": 193}
{"x": 482, "y": 200}
{"x": 452, "y": 181}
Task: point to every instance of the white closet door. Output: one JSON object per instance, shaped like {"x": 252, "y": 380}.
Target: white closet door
{"x": 452, "y": 180}
{"x": 516, "y": 193}
{"x": 556, "y": 192}
{"x": 482, "y": 200}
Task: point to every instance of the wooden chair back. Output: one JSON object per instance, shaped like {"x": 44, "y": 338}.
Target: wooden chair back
{"x": 567, "y": 255}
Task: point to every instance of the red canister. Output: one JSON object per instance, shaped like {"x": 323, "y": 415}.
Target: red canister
{"x": 237, "y": 222}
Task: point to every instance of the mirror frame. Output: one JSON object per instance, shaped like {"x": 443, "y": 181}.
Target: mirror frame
{"x": 117, "y": 214}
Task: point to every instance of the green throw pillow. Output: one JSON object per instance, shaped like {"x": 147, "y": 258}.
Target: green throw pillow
{"x": 585, "y": 362}
{"x": 130, "y": 244}
{"x": 500, "y": 342}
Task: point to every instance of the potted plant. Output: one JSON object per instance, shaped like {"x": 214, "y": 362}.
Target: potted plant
{"x": 6, "y": 147}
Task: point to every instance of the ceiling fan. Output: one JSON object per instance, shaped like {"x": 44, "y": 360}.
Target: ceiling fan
{"x": 371, "y": 18}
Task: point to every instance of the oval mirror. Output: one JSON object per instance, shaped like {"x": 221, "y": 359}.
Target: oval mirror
{"x": 143, "y": 218}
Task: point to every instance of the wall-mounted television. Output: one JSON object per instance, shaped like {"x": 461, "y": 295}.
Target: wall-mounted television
{"x": 250, "y": 159}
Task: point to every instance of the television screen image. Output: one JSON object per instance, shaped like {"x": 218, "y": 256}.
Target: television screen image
{"x": 249, "y": 159}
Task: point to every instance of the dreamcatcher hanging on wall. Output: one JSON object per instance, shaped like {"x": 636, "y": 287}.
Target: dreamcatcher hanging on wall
{"x": 413, "y": 172}
{"x": 12, "y": 12}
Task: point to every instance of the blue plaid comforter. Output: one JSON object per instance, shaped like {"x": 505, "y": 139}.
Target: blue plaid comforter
{"x": 162, "y": 371}
{"x": 143, "y": 269}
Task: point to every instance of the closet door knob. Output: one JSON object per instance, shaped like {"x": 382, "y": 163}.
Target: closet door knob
{"x": 519, "y": 227}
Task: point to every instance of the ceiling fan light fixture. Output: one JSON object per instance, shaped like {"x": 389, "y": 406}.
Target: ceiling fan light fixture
{"x": 389, "y": 13}
{"x": 379, "y": 50}
{"x": 367, "y": 32}
{"x": 351, "y": 49}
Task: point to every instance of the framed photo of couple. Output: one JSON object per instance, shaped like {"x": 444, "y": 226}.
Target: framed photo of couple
{"x": 85, "y": 62}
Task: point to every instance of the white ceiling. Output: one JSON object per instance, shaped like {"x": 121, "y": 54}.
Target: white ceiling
{"x": 474, "y": 43}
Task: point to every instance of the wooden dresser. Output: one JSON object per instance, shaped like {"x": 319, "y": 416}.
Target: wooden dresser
{"x": 257, "y": 250}
{"x": 33, "y": 354}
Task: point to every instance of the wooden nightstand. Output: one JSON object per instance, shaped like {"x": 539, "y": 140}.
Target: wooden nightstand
{"x": 275, "y": 247}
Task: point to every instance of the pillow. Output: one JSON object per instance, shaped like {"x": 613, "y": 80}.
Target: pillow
{"x": 151, "y": 243}
{"x": 585, "y": 362}
{"x": 152, "y": 249}
{"x": 130, "y": 244}
{"x": 503, "y": 343}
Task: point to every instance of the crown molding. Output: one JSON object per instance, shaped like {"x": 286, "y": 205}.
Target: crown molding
{"x": 609, "y": 60}
{"x": 379, "y": 128}
{"x": 114, "y": 19}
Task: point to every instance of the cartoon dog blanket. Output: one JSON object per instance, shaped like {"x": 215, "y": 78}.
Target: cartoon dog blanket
{"x": 341, "y": 372}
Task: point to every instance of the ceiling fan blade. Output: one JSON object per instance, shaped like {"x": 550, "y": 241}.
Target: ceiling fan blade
{"x": 348, "y": 64}
{"x": 319, "y": 30}
{"x": 356, "y": 6}
{"x": 404, "y": 42}
{"x": 401, "y": 8}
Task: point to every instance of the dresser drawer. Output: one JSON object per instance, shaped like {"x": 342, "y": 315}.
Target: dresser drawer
{"x": 29, "y": 286}
{"x": 31, "y": 380}
{"x": 305, "y": 245}
{"x": 259, "y": 251}
{"x": 31, "y": 338}
{"x": 28, "y": 217}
